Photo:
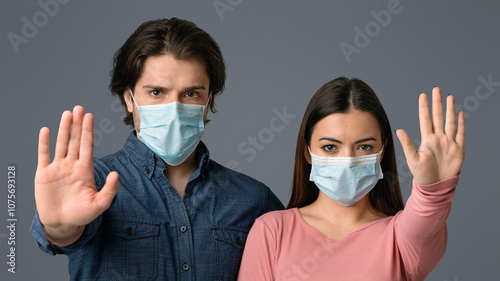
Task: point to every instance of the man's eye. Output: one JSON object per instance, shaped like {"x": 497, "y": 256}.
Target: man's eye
{"x": 155, "y": 93}
{"x": 192, "y": 95}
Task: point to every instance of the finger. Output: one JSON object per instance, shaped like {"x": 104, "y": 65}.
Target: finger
{"x": 408, "y": 148}
{"x": 87, "y": 144}
{"x": 63, "y": 135}
{"x": 43, "y": 148}
{"x": 76, "y": 133}
{"x": 424, "y": 116}
{"x": 460, "y": 137}
{"x": 437, "y": 110}
{"x": 105, "y": 196}
{"x": 449, "y": 127}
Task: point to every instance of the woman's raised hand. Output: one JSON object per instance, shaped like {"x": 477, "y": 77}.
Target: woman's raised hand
{"x": 441, "y": 152}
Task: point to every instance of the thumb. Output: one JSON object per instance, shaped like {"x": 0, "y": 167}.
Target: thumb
{"x": 108, "y": 192}
{"x": 408, "y": 148}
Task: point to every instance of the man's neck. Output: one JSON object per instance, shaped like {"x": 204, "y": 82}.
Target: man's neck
{"x": 179, "y": 175}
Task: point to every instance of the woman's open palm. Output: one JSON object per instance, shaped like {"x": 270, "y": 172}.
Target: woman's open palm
{"x": 441, "y": 152}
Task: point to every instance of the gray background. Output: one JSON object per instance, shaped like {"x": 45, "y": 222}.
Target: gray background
{"x": 278, "y": 54}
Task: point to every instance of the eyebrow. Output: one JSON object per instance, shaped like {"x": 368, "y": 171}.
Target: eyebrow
{"x": 358, "y": 141}
{"x": 190, "y": 88}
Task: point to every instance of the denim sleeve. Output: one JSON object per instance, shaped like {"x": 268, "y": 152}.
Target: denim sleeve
{"x": 37, "y": 231}
{"x": 273, "y": 203}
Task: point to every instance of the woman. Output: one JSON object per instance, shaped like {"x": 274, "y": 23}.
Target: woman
{"x": 345, "y": 219}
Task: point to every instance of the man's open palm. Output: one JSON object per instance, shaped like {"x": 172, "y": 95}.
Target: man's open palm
{"x": 65, "y": 192}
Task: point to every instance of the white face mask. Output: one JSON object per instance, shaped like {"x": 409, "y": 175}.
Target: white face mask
{"x": 346, "y": 179}
{"x": 171, "y": 130}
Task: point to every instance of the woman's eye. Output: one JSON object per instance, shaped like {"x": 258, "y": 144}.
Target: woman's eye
{"x": 365, "y": 147}
{"x": 329, "y": 148}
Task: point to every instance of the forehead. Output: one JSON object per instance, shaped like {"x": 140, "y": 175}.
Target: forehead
{"x": 349, "y": 126}
{"x": 167, "y": 69}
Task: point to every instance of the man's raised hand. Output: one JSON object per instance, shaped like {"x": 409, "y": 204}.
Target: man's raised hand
{"x": 65, "y": 193}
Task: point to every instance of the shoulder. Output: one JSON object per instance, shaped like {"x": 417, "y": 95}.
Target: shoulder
{"x": 133, "y": 152}
{"x": 231, "y": 183}
{"x": 108, "y": 160}
{"x": 278, "y": 220}
{"x": 104, "y": 165}
{"x": 217, "y": 169}
{"x": 275, "y": 227}
{"x": 232, "y": 180}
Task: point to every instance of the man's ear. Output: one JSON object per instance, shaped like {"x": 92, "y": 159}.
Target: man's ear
{"x": 128, "y": 100}
{"x": 307, "y": 154}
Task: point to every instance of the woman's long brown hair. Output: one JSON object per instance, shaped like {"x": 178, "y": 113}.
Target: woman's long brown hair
{"x": 340, "y": 96}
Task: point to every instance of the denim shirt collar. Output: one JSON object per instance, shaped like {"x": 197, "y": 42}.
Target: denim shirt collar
{"x": 146, "y": 160}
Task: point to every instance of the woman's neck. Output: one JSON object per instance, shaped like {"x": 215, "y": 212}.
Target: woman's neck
{"x": 335, "y": 221}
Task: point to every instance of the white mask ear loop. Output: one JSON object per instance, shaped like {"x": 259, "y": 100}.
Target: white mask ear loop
{"x": 208, "y": 100}
{"x": 138, "y": 108}
{"x": 132, "y": 95}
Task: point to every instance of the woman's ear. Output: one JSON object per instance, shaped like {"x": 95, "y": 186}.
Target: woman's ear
{"x": 307, "y": 154}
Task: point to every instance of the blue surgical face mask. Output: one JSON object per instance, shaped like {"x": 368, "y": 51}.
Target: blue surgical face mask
{"x": 171, "y": 130}
{"x": 346, "y": 179}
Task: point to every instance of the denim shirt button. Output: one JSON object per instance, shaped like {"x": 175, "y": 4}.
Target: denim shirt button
{"x": 183, "y": 228}
{"x": 185, "y": 267}
{"x": 239, "y": 241}
{"x": 129, "y": 231}
{"x": 146, "y": 170}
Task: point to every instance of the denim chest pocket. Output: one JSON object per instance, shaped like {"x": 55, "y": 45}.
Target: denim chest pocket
{"x": 131, "y": 249}
{"x": 229, "y": 245}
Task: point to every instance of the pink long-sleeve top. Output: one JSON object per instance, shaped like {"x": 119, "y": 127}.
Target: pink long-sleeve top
{"x": 406, "y": 246}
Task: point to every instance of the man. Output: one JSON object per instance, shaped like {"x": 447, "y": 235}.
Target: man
{"x": 159, "y": 209}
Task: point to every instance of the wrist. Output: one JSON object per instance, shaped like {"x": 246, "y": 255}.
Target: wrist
{"x": 63, "y": 236}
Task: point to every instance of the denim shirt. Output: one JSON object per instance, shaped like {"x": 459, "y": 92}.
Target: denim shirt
{"x": 151, "y": 233}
